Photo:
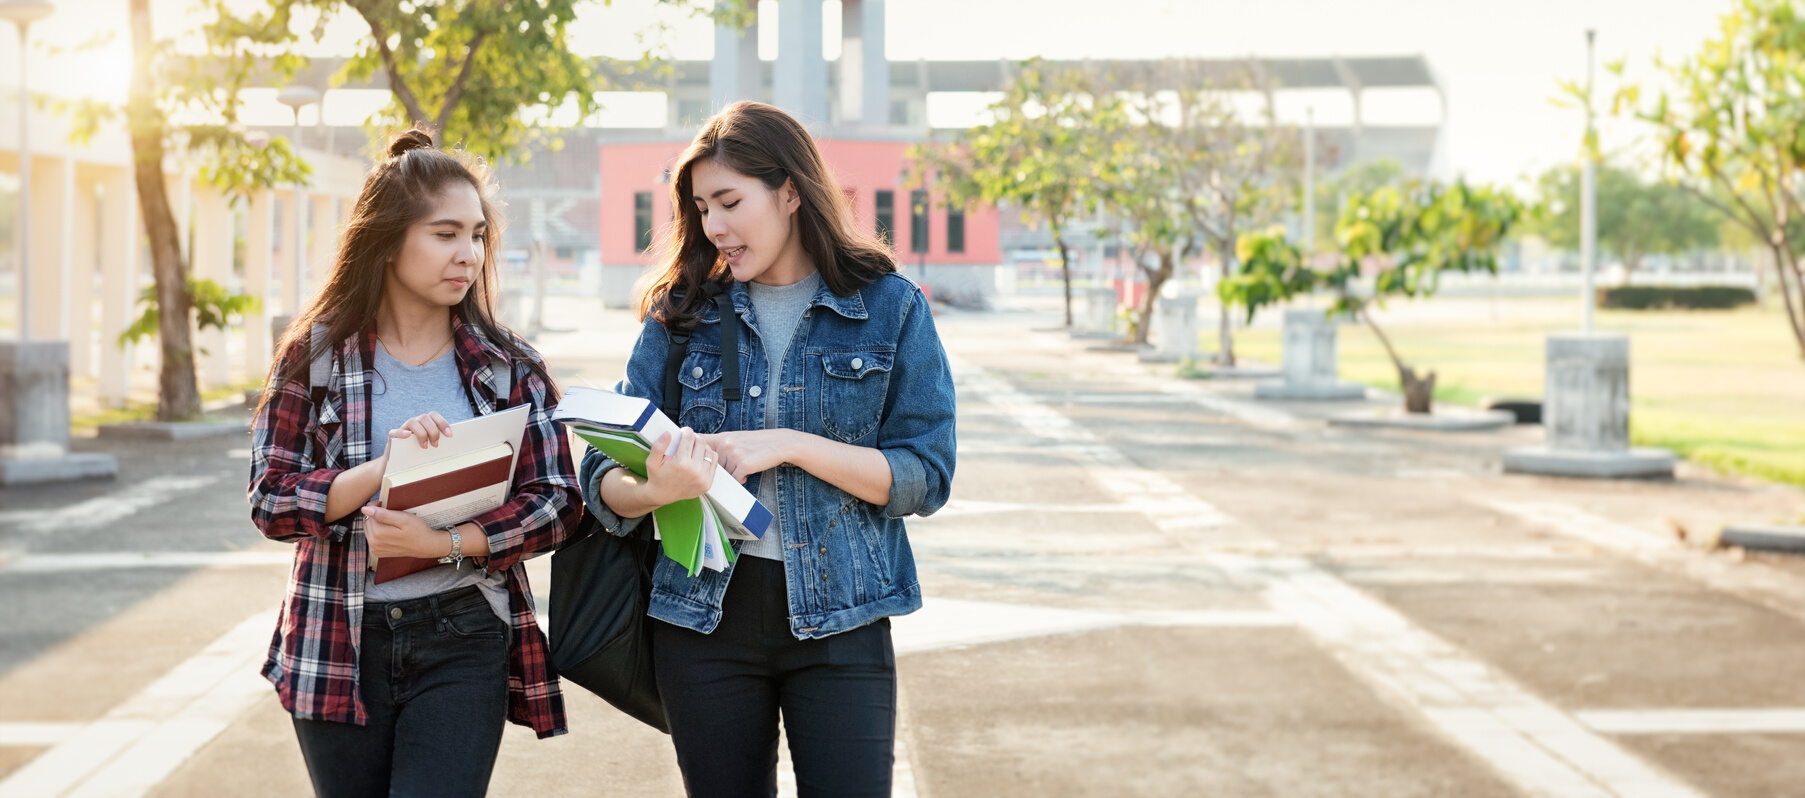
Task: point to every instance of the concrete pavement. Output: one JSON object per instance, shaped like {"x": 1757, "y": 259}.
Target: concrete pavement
{"x": 1143, "y": 586}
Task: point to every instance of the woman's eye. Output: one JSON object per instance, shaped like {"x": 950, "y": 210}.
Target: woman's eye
{"x": 480, "y": 238}
{"x": 729, "y": 206}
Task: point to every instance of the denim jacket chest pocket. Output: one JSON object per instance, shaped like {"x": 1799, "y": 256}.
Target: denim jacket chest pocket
{"x": 703, "y": 409}
{"x": 853, "y": 386}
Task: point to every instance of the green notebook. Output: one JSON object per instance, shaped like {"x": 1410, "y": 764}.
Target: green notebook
{"x": 683, "y": 527}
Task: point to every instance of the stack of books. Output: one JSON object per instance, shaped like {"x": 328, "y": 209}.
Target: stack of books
{"x": 469, "y": 473}
{"x": 694, "y": 532}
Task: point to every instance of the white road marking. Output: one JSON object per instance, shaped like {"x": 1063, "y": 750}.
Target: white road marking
{"x": 1534, "y": 744}
{"x": 944, "y": 623}
{"x": 1579, "y": 524}
{"x": 102, "y": 510}
{"x": 141, "y": 741}
{"x": 36, "y": 734}
{"x": 1694, "y": 721}
{"x": 64, "y": 563}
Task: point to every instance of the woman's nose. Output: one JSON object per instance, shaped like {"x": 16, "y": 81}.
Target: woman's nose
{"x": 714, "y": 227}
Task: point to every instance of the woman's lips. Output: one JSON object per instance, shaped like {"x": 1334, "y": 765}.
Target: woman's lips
{"x": 459, "y": 282}
{"x": 732, "y": 254}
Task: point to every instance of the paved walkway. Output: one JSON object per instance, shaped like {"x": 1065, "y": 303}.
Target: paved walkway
{"x": 1143, "y": 586}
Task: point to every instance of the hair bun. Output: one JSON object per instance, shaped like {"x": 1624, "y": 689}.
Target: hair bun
{"x": 411, "y": 140}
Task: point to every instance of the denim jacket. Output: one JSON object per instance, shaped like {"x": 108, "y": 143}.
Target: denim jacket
{"x": 867, "y": 370}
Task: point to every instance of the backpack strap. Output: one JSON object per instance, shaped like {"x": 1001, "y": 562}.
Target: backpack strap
{"x": 319, "y": 373}
{"x": 673, "y": 366}
{"x": 730, "y": 340}
{"x": 501, "y": 380}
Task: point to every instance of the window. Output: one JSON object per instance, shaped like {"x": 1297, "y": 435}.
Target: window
{"x": 642, "y": 221}
{"x": 563, "y": 253}
{"x": 886, "y": 216}
{"x": 691, "y": 112}
{"x": 955, "y": 229}
{"x": 918, "y": 221}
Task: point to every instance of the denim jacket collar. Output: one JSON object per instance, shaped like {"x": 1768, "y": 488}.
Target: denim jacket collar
{"x": 850, "y": 307}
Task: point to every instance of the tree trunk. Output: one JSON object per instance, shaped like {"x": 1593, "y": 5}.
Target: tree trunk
{"x": 1419, "y": 394}
{"x": 1156, "y": 279}
{"x": 1065, "y": 271}
{"x": 1225, "y": 353}
{"x": 178, "y": 396}
{"x": 1791, "y": 291}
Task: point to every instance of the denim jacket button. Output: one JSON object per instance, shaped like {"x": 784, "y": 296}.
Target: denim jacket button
{"x": 754, "y": 391}
{"x": 858, "y": 362}
{"x": 696, "y": 372}
{"x": 823, "y": 549}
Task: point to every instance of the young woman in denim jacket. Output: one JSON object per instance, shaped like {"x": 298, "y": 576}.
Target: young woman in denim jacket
{"x": 843, "y": 427}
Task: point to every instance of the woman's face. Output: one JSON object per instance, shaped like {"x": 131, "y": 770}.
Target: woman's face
{"x": 753, "y": 227}
{"x": 438, "y": 260}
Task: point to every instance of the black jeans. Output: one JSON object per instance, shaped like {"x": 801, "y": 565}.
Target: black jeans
{"x": 723, "y": 691}
{"x": 434, "y": 680}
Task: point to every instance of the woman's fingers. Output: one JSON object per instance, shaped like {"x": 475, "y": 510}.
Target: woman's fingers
{"x": 444, "y": 426}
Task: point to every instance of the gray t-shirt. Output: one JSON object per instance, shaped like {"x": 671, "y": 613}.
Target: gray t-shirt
{"x": 778, "y": 309}
{"x": 401, "y": 392}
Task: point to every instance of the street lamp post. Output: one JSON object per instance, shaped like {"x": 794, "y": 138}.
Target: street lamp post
{"x": 297, "y": 97}
{"x": 22, "y": 13}
{"x": 1588, "y": 199}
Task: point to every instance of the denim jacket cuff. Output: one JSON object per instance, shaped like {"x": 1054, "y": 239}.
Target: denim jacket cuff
{"x": 908, "y": 483}
{"x": 592, "y": 497}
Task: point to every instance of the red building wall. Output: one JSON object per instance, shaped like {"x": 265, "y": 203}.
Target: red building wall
{"x": 862, "y": 167}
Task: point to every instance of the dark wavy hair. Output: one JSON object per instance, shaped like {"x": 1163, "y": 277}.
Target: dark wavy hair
{"x": 768, "y": 145}
{"x": 400, "y": 190}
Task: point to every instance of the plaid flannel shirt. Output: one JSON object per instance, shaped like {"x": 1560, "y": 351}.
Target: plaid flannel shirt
{"x": 297, "y": 450}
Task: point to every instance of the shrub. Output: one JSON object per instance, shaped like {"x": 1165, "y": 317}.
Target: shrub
{"x": 1657, "y": 297}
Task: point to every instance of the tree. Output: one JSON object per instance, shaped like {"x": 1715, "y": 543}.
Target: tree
{"x": 1144, "y": 187}
{"x": 1636, "y": 218}
{"x": 1230, "y": 167}
{"x": 1729, "y": 130}
{"x": 1272, "y": 271}
{"x": 1406, "y": 239}
{"x": 1046, "y": 152}
{"x": 167, "y": 86}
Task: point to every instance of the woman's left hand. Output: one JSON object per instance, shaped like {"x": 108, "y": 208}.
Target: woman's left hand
{"x": 750, "y": 451}
{"x": 392, "y": 533}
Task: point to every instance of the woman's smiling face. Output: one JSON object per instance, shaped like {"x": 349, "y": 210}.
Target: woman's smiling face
{"x": 753, "y": 227}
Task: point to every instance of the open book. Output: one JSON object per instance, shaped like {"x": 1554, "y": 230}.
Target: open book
{"x": 694, "y": 532}
{"x": 469, "y": 473}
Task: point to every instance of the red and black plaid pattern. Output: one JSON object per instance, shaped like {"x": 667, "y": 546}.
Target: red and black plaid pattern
{"x": 297, "y": 449}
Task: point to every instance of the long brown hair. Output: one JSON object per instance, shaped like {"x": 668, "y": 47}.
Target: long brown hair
{"x": 401, "y": 190}
{"x": 767, "y": 145}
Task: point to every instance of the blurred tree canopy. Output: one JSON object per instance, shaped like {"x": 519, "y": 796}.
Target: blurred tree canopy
{"x": 1731, "y": 129}
{"x": 1636, "y": 218}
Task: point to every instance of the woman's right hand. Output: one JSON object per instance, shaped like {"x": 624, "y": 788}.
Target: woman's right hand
{"x": 685, "y": 474}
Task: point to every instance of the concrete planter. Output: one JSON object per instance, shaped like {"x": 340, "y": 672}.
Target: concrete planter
{"x": 1312, "y": 366}
{"x": 1586, "y": 413}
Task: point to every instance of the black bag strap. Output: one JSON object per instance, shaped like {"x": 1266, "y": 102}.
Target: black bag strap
{"x": 679, "y": 347}
{"x": 319, "y": 372}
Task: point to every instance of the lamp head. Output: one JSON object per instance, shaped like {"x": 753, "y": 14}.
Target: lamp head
{"x": 295, "y": 96}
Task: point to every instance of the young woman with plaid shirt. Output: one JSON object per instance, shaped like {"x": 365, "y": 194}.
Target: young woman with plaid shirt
{"x": 403, "y": 687}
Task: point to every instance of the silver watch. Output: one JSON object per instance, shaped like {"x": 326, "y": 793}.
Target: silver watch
{"x": 457, "y": 548}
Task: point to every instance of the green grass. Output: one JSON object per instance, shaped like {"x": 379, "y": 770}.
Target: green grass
{"x": 1722, "y": 388}
{"x": 86, "y": 423}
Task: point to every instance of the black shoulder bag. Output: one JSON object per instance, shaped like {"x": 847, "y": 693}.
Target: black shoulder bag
{"x": 602, "y": 583}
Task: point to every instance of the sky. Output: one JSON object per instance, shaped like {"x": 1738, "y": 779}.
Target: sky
{"x": 1498, "y": 61}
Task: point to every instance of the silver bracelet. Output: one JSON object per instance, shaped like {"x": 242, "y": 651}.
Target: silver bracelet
{"x": 457, "y": 548}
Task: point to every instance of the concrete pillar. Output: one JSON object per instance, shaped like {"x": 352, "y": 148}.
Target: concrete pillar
{"x": 1100, "y": 310}
{"x": 800, "y": 82}
{"x": 212, "y": 260}
{"x": 1175, "y": 326}
{"x": 51, "y": 193}
{"x": 323, "y": 246}
{"x": 736, "y": 73}
{"x": 288, "y": 274}
{"x": 81, "y": 250}
{"x": 258, "y": 260}
{"x": 34, "y": 417}
{"x": 1312, "y": 362}
{"x": 873, "y": 71}
{"x": 1586, "y": 414}
{"x": 120, "y": 231}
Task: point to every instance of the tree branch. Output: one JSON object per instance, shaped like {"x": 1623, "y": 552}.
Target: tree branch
{"x": 415, "y": 114}
{"x": 457, "y": 86}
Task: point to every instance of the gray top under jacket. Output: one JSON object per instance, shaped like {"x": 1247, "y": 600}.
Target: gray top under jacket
{"x": 401, "y": 392}
{"x": 778, "y": 309}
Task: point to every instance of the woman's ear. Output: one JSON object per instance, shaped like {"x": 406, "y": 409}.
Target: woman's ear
{"x": 792, "y": 199}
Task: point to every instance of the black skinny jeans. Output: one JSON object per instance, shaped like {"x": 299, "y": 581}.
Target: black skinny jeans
{"x": 723, "y": 691}
{"x": 434, "y": 680}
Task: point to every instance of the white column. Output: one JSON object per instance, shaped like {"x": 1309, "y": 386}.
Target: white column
{"x": 852, "y": 62}
{"x": 119, "y": 235}
{"x": 875, "y": 71}
{"x": 800, "y": 82}
{"x": 49, "y": 193}
{"x": 287, "y": 271}
{"x": 736, "y": 73}
{"x": 80, "y": 251}
{"x": 258, "y": 253}
{"x": 212, "y": 260}
{"x": 322, "y": 248}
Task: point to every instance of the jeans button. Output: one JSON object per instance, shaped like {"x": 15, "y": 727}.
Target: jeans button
{"x": 754, "y": 391}
{"x": 395, "y": 613}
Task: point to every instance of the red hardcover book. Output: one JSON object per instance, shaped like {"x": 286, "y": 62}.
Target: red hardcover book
{"x": 445, "y": 493}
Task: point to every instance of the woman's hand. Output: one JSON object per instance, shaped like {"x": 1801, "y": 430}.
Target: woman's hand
{"x": 685, "y": 474}
{"x": 392, "y": 533}
{"x": 751, "y": 451}
{"x": 426, "y": 428}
